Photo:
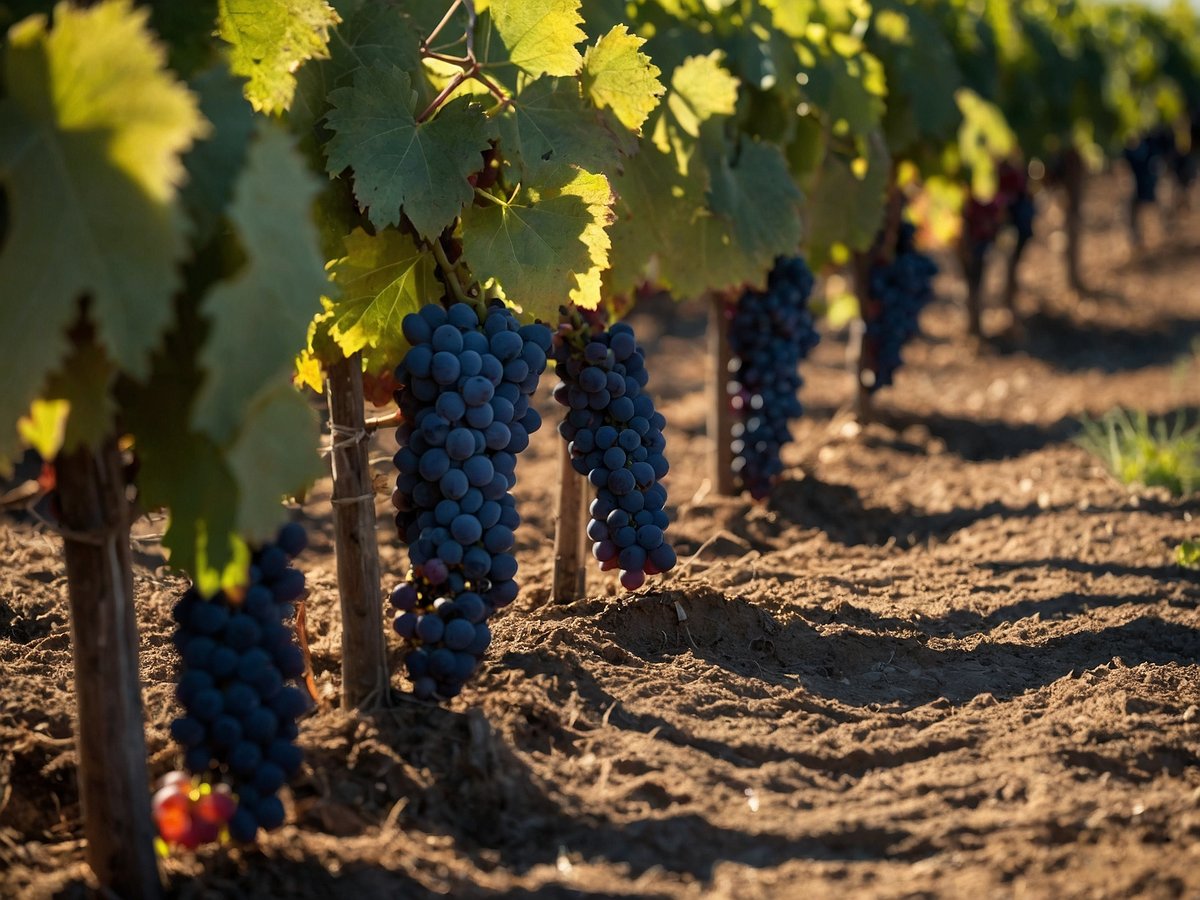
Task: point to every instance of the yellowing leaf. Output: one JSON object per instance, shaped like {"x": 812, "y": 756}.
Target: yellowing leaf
{"x": 548, "y": 246}
{"x": 271, "y": 39}
{"x": 617, "y": 75}
{"x": 92, "y": 128}
{"x": 398, "y": 163}
{"x": 539, "y": 36}
{"x": 45, "y": 425}
{"x": 309, "y": 372}
{"x": 382, "y": 279}
{"x": 701, "y": 89}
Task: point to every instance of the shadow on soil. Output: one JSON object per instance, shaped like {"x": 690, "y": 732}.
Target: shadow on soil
{"x": 1074, "y": 346}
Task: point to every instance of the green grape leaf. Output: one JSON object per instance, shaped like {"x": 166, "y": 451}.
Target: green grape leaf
{"x": 983, "y": 138}
{"x": 260, "y": 315}
{"x": 264, "y": 459}
{"x": 85, "y": 381}
{"x": 90, "y": 159}
{"x": 398, "y": 162}
{"x": 921, "y": 72}
{"x": 755, "y": 192}
{"x": 549, "y": 125}
{"x": 547, "y": 245}
{"x": 657, "y": 206}
{"x": 271, "y": 39}
{"x": 213, "y": 164}
{"x": 539, "y": 37}
{"x": 382, "y": 278}
{"x": 372, "y": 32}
{"x": 846, "y": 201}
{"x": 841, "y": 82}
{"x": 617, "y": 75}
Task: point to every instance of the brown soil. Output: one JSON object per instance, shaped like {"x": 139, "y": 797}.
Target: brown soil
{"x": 950, "y": 657}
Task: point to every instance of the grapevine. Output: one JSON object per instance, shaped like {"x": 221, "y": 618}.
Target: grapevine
{"x": 464, "y": 392}
{"x": 239, "y": 723}
{"x": 899, "y": 290}
{"x": 770, "y": 334}
{"x": 615, "y": 438}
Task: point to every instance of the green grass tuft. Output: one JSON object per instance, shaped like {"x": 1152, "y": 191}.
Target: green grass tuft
{"x": 1144, "y": 452}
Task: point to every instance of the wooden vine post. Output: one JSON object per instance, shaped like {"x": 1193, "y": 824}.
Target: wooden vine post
{"x": 1073, "y": 177}
{"x": 364, "y": 660}
{"x": 720, "y": 415}
{"x": 113, "y": 780}
{"x": 569, "y": 581}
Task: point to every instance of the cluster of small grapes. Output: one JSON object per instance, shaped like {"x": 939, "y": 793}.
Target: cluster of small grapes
{"x": 899, "y": 290}
{"x": 615, "y": 438}
{"x": 189, "y": 812}
{"x": 464, "y": 394}
{"x": 239, "y": 719}
{"x": 1145, "y": 161}
{"x": 770, "y": 333}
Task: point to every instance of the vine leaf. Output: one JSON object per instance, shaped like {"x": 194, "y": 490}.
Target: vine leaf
{"x": 260, "y": 316}
{"x": 264, "y": 461}
{"x": 382, "y": 278}
{"x": 700, "y": 90}
{"x": 547, "y": 243}
{"x": 550, "y": 124}
{"x": 756, "y": 194}
{"x": 539, "y": 36}
{"x": 845, "y": 201}
{"x": 617, "y": 75}
{"x": 372, "y": 32}
{"x": 270, "y": 41}
{"x": 398, "y": 163}
{"x": 95, "y": 127}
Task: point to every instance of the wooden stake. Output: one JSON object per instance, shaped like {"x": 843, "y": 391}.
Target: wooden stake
{"x": 113, "y": 780}
{"x": 720, "y": 416}
{"x": 364, "y": 660}
{"x": 1011, "y": 281}
{"x": 1073, "y": 181}
{"x": 864, "y": 368}
{"x": 570, "y": 538}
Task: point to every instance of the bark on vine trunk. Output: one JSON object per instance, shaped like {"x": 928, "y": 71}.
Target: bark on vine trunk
{"x": 570, "y": 575}
{"x": 720, "y": 417}
{"x": 1074, "y": 176}
{"x": 364, "y": 658}
{"x": 972, "y": 267}
{"x": 1011, "y": 280}
{"x": 113, "y": 780}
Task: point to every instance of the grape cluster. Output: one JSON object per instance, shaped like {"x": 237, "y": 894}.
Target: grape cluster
{"x": 1143, "y": 159}
{"x": 899, "y": 290}
{"x": 239, "y": 714}
{"x": 615, "y": 438}
{"x": 770, "y": 333}
{"x": 464, "y": 394}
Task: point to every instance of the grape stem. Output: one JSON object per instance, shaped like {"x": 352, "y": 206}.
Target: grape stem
{"x": 445, "y": 21}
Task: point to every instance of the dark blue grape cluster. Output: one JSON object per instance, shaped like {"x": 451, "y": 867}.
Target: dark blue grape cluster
{"x": 770, "y": 333}
{"x": 1021, "y": 213}
{"x": 899, "y": 290}
{"x": 465, "y": 387}
{"x": 1144, "y": 161}
{"x": 615, "y": 438}
{"x": 239, "y": 721}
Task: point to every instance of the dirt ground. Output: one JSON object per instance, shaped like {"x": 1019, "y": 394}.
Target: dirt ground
{"x": 951, "y": 657}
